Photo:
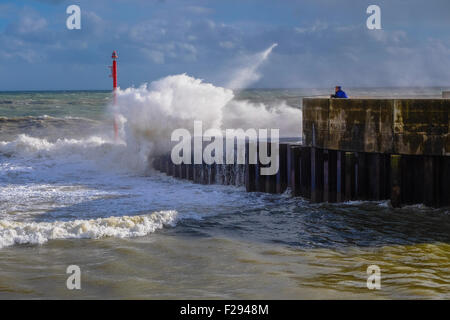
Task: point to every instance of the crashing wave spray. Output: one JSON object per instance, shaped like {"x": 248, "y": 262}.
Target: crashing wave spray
{"x": 247, "y": 75}
{"x": 153, "y": 111}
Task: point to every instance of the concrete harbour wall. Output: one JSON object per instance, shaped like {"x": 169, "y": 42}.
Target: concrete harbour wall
{"x": 353, "y": 149}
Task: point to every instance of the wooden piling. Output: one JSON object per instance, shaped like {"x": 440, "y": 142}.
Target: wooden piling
{"x": 317, "y": 165}
{"x": 282, "y": 174}
{"x": 183, "y": 171}
{"x": 444, "y": 187}
{"x": 396, "y": 180}
{"x": 374, "y": 176}
{"x": 198, "y": 168}
{"x": 205, "y": 174}
{"x": 212, "y": 173}
{"x": 295, "y": 170}
{"x": 240, "y": 175}
{"x": 305, "y": 172}
{"x": 162, "y": 164}
{"x": 270, "y": 180}
{"x": 329, "y": 175}
{"x": 177, "y": 170}
{"x": 350, "y": 176}
{"x": 190, "y": 171}
{"x": 155, "y": 163}
{"x": 429, "y": 179}
{"x": 361, "y": 178}
{"x": 260, "y": 180}
{"x": 169, "y": 165}
{"x": 250, "y": 170}
{"x": 289, "y": 165}
{"x": 340, "y": 176}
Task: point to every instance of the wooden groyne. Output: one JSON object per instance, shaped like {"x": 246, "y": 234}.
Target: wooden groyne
{"x": 352, "y": 149}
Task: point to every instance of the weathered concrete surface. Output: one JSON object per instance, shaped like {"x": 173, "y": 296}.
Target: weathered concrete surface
{"x": 421, "y": 127}
{"x": 396, "y": 126}
{"x": 316, "y": 121}
{"x": 446, "y": 94}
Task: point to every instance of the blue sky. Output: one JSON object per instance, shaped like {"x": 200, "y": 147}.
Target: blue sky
{"x": 320, "y": 42}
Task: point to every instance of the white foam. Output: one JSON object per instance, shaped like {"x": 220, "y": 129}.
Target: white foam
{"x": 31, "y": 199}
{"x": 27, "y": 146}
{"x": 152, "y": 112}
{"x": 14, "y": 232}
{"x": 101, "y": 150}
{"x": 245, "y": 115}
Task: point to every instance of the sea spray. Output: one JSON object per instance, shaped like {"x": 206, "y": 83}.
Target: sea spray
{"x": 152, "y": 112}
{"x": 245, "y": 114}
{"x": 248, "y": 74}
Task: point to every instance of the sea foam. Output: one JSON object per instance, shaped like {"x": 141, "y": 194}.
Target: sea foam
{"x": 14, "y": 232}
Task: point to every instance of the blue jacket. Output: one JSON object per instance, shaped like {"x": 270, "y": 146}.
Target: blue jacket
{"x": 340, "y": 94}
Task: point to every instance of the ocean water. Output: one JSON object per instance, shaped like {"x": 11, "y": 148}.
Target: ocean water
{"x": 70, "y": 194}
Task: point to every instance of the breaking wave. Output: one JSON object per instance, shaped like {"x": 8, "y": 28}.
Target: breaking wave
{"x": 14, "y": 232}
{"x": 150, "y": 113}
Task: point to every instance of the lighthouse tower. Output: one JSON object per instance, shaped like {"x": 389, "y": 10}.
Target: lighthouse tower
{"x": 114, "y": 76}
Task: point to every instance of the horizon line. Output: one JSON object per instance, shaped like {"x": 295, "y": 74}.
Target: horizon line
{"x": 255, "y": 88}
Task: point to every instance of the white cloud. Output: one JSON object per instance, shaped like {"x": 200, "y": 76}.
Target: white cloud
{"x": 153, "y": 55}
{"x": 199, "y": 9}
{"x": 316, "y": 27}
{"x": 30, "y": 22}
{"x": 227, "y": 44}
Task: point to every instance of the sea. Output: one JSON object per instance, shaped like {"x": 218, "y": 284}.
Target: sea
{"x": 72, "y": 194}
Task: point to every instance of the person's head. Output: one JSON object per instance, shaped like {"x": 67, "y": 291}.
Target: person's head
{"x": 337, "y": 88}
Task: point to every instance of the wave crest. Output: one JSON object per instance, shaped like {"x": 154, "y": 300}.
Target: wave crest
{"x": 14, "y": 232}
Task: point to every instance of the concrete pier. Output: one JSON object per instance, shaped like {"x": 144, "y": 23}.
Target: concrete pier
{"x": 400, "y": 145}
{"x": 353, "y": 149}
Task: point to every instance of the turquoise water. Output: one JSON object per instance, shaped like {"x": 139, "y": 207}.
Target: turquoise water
{"x": 87, "y": 104}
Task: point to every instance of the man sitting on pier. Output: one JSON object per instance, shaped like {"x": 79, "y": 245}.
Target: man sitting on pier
{"x": 339, "y": 93}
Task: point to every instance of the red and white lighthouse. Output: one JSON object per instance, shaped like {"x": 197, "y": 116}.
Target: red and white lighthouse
{"x": 114, "y": 76}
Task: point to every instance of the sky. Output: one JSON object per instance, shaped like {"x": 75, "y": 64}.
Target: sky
{"x": 320, "y": 42}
